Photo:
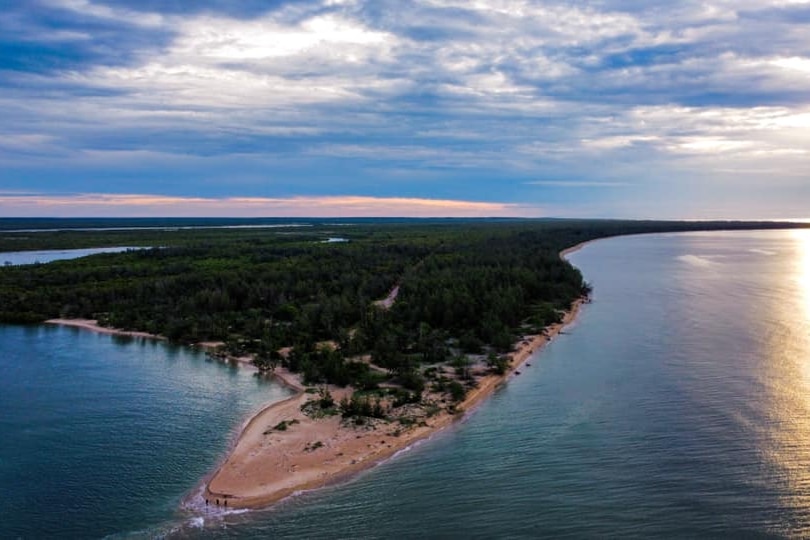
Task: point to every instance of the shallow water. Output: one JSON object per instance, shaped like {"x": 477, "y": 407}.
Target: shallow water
{"x": 103, "y": 434}
{"x": 677, "y": 406}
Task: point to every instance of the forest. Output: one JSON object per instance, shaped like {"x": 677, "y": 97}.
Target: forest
{"x": 463, "y": 287}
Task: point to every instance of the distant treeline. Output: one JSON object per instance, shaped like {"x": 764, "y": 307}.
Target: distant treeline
{"x": 475, "y": 285}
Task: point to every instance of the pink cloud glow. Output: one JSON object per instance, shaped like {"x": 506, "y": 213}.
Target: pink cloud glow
{"x": 144, "y": 205}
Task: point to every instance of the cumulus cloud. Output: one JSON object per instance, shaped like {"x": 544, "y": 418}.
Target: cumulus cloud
{"x": 671, "y": 98}
{"x": 100, "y": 10}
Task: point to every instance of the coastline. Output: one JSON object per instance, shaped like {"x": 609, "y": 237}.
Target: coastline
{"x": 573, "y": 249}
{"x": 282, "y": 375}
{"x": 265, "y": 464}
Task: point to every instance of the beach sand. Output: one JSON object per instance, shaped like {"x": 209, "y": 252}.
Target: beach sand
{"x": 268, "y": 462}
{"x": 573, "y": 249}
{"x": 92, "y": 324}
{"x": 267, "y": 465}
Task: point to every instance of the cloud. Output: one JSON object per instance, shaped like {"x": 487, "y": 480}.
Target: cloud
{"x": 100, "y": 10}
{"x": 324, "y": 35}
{"x": 682, "y": 101}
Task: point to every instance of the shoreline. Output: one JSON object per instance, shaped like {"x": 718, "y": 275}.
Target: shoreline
{"x": 265, "y": 464}
{"x": 93, "y": 326}
{"x": 573, "y": 249}
{"x": 284, "y": 377}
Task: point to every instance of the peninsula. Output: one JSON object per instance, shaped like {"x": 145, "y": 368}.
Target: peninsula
{"x": 385, "y": 338}
{"x": 300, "y": 444}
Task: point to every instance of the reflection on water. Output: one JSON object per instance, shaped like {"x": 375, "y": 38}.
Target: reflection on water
{"x": 753, "y": 383}
{"x": 677, "y": 407}
{"x": 802, "y": 257}
{"x": 788, "y": 360}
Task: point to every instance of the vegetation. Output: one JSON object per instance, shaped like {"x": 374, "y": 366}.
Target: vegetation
{"x": 282, "y": 426}
{"x": 362, "y": 406}
{"x": 311, "y": 447}
{"x": 497, "y": 364}
{"x": 323, "y": 406}
{"x": 283, "y": 295}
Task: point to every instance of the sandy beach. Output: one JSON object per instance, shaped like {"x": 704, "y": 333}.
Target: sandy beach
{"x": 92, "y": 324}
{"x": 573, "y": 249}
{"x": 281, "y": 450}
{"x": 268, "y": 464}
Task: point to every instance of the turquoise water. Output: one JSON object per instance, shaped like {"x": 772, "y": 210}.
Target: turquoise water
{"x": 105, "y": 435}
{"x": 677, "y": 406}
{"x": 14, "y": 258}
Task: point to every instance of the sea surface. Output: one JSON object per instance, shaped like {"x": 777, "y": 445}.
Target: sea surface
{"x": 676, "y": 406}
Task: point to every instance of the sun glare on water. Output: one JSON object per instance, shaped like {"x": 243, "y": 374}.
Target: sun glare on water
{"x": 782, "y": 432}
{"x": 802, "y": 240}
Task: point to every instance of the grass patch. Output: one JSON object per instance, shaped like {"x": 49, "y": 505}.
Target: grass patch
{"x": 282, "y": 426}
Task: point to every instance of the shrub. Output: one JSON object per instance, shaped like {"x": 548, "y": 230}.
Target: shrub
{"x": 457, "y": 391}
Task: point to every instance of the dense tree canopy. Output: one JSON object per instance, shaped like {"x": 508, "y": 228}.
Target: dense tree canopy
{"x": 465, "y": 285}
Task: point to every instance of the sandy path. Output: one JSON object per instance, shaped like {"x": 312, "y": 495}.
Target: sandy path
{"x": 388, "y": 301}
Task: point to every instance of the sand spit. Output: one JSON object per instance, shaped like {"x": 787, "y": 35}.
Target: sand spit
{"x": 92, "y": 324}
{"x": 282, "y": 451}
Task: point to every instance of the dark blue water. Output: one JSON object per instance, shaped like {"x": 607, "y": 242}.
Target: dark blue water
{"x": 677, "y": 406}
{"x": 104, "y": 435}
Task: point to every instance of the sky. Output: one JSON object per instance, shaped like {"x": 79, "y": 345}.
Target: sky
{"x": 603, "y": 108}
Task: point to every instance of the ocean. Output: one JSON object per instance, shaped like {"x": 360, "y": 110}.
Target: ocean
{"x": 676, "y": 406}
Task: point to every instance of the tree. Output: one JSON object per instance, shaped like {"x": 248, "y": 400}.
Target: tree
{"x": 457, "y": 391}
{"x": 498, "y": 364}
{"x": 462, "y": 365}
